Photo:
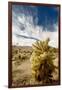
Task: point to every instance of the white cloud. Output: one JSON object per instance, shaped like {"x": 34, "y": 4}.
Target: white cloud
{"x": 21, "y": 19}
{"x": 33, "y": 31}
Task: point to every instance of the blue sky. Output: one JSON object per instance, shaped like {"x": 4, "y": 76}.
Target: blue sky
{"x": 34, "y": 22}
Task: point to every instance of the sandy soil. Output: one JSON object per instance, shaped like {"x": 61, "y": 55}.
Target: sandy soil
{"x": 25, "y": 67}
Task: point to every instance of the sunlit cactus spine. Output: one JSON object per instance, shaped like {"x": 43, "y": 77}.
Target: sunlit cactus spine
{"x": 42, "y": 61}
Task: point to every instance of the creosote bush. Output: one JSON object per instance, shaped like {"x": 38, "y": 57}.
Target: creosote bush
{"x": 42, "y": 59}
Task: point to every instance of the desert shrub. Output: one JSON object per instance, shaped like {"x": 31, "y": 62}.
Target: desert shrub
{"x": 24, "y": 56}
{"x": 19, "y": 56}
{"x": 16, "y": 51}
{"x": 42, "y": 61}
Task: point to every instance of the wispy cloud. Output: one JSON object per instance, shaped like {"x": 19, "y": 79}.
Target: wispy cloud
{"x": 25, "y": 27}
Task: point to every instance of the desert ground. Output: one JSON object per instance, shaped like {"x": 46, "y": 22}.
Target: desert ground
{"x": 21, "y": 66}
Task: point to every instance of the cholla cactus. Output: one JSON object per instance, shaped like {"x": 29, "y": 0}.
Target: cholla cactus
{"x": 42, "y": 61}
